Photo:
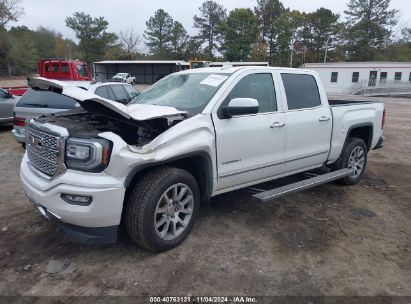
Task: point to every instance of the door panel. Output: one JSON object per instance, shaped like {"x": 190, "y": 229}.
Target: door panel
{"x": 250, "y": 147}
{"x": 309, "y": 122}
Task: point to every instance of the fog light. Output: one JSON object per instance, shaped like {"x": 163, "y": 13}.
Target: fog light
{"x": 74, "y": 199}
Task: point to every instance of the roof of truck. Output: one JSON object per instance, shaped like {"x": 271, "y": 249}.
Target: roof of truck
{"x": 228, "y": 69}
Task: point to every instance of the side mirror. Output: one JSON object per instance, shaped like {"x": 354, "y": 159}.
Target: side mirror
{"x": 240, "y": 106}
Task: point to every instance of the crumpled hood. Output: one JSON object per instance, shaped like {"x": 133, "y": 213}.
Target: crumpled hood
{"x": 90, "y": 102}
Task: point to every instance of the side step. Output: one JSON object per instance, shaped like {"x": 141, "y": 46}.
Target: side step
{"x": 270, "y": 195}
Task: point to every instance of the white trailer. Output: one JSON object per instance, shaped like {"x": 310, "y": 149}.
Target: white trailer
{"x": 363, "y": 77}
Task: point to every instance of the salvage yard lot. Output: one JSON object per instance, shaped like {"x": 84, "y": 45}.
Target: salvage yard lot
{"x": 331, "y": 240}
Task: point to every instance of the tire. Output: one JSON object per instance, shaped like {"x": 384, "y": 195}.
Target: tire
{"x": 153, "y": 201}
{"x": 354, "y": 157}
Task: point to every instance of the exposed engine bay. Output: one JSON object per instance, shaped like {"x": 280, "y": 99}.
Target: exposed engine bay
{"x": 81, "y": 123}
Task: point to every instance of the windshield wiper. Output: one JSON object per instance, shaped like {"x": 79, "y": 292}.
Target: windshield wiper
{"x": 40, "y": 105}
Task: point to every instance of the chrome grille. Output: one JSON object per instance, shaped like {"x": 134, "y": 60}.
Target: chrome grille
{"x": 44, "y": 150}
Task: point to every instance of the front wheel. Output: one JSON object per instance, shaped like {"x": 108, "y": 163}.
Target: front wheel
{"x": 161, "y": 208}
{"x": 354, "y": 158}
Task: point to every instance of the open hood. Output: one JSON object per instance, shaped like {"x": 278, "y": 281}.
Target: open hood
{"x": 96, "y": 104}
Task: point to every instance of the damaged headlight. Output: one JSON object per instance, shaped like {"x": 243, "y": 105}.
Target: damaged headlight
{"x": 91, "y": 155}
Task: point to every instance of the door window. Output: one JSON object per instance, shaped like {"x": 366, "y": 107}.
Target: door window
{"x": 2, "y": 94}
{"x": 301, "y": 91}
{"x": 131, "y": 91}
{"x": 383, "y": 76}
{"x": 334, "y": 76}
{"x": 257, "y": 86}
{"x": 373, "y": 78}
{"x": 120, "y": 94}
{"x": 105, "y": 92}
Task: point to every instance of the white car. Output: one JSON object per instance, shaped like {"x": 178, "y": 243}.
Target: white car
{"x": 124, "y": 77}
{"x": 193, "y": 135}
{"x": 36, "y": 103}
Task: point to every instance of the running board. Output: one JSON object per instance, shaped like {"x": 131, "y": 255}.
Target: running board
{"x": 270, "y": 195}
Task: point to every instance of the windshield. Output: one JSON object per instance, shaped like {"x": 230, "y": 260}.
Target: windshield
{"x": 185, "y": 92}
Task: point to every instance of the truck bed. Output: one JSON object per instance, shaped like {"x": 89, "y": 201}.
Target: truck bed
{"x": 349, "y": 100}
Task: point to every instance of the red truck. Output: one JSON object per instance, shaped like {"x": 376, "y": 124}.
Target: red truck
{"x": 60, "y": 69}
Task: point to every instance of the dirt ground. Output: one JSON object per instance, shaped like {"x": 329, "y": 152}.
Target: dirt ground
{"x": 331, "y": 240}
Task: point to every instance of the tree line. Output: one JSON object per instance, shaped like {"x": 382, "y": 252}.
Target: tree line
{"x": 268, "y": 32}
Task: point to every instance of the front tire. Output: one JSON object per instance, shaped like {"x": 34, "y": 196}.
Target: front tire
{"x": 161, "y": 208}
{"x": 354, "y": 158}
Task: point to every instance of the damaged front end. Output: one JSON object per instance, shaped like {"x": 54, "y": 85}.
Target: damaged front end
{"x": 136, "y": 124}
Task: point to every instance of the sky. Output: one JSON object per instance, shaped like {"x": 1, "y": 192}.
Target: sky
{"x": 132, "y": 14}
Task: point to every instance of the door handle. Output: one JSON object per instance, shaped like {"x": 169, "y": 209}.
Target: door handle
{"x": 277, "y": 124}
{"x": 324, "y": 118}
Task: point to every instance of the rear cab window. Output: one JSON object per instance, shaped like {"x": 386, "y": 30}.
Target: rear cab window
{"x": 46, "y": 99}
{"x": 301, "y": 91}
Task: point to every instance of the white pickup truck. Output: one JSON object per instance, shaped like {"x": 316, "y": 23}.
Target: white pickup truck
{"x": 191, "y": 136}
{"x": 124, "y": 77}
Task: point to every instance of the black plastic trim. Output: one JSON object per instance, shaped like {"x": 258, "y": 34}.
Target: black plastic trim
{"x": 86, "y": 235}
{"x": 204, "y": 155}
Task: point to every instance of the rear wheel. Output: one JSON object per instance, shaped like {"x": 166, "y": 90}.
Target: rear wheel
{"x": 354, "y": 158}
{"x": 161, "y": 208}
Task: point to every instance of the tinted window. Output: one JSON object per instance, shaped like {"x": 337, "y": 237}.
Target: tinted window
{"x": 45, "y": 99}
{"x": 257, "y": 86}
{"x": 301, "y": 91}
{"x": 383, "y": 76}
{"x": 105, "y": 92}
{"x": 131, "y": 91}
{"x": 334, "y": 76}
{"x": 398, "y": 75}
{"x": 355, "y": 76}
{"x": 120, "y": 94}
{"x": 64, "y": 68}
{"x": 2, "y": 94}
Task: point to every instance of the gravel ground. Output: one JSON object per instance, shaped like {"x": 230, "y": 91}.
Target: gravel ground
{"x": 331, "y": 240}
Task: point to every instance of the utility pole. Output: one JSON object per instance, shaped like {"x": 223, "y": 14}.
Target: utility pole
{"x": 292, "y": 50}
{"x": 326, "y": 50}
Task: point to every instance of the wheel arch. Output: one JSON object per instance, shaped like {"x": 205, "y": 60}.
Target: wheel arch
{"x": 198, "y": 164}
{"x": 363, "y": 131}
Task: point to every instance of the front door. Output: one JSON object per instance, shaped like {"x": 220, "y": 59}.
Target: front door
{"x": 250, "y": 148}
{"x": 373, "y": 79}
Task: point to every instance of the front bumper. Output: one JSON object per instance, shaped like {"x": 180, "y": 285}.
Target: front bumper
{"x": 380, "y": 143}
{"x": 95, "y": 223}
{"x": 19, "y": 134}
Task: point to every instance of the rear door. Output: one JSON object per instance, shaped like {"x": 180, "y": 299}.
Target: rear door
{"x": 309, "y": 122}
{"x": 250, "y": 148}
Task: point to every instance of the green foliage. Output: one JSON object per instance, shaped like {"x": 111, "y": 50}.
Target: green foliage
{"x": 268, "y": 13}
{"x": 178, "y": 40}
{"x": 94, "y": 39}
{"x": 22, "y": 56}
{"x": 212, "y": 15}
{"x": 239, "y": 33}
{"x": 320, "y": 30}
{"x": 158, "y": 34}
{"x": 369, "y": 24}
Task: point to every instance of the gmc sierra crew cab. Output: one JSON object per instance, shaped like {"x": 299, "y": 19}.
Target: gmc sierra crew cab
{"x": 193, "y": 135}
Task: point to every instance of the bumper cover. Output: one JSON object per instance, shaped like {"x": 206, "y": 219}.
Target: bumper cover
{"x": 95, "y": 223}
{"x": 380, "y": 143}
{"x": 19, "y": 135}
